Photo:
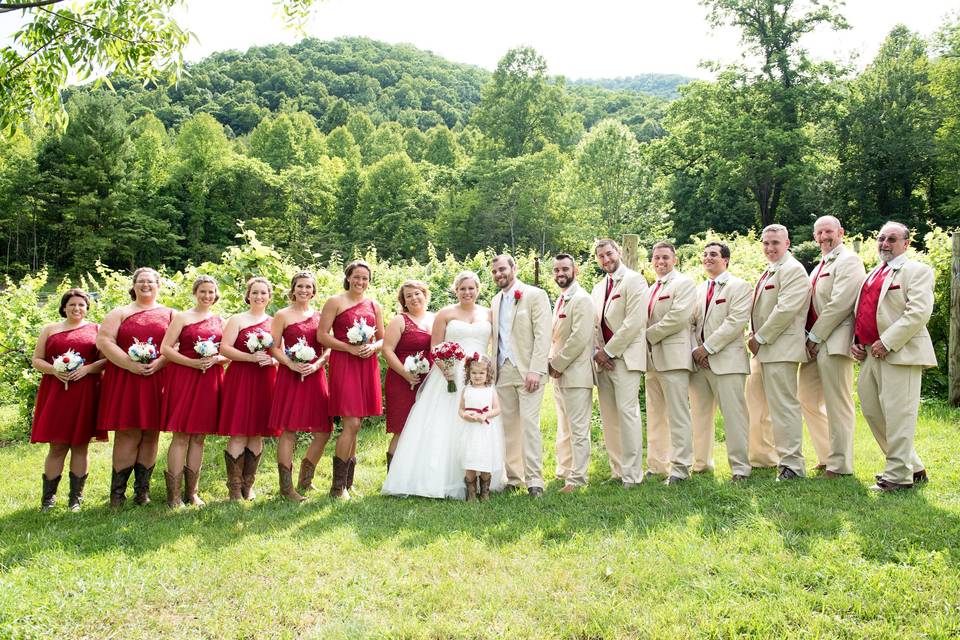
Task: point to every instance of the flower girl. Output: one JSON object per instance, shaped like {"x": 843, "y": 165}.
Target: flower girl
{"x": 483, "y": 448}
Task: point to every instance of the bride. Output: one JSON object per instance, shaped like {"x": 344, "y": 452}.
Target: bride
{"x": 428, "y": 459}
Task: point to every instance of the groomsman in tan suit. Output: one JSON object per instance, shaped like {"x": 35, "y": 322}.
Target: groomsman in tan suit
{"x": 669, "y": 363}
{"x": 721, "y": 315}
{"x": 893, "y": 345}
{"x": 620, "y": 301}
{"x": 778, "y": 344}
{"x": 521, "y": 345}
{"x": 572, "y": 372}
{"x": 826, "y": 380}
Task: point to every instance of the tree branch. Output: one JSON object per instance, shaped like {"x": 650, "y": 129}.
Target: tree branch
{"x": 6, "y": 7}
{"x": 90, "y": 26}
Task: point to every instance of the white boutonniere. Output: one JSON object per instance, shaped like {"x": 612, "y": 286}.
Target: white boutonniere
{"x": 830, "y": 258}
{"x": 721, "y": 283}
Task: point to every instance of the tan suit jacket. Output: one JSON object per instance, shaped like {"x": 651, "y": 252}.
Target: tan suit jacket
{"x": 838, "y": 285}
{"x": 780, "y": 313}
{"x": 626, "y": 315}
{"x": 668, "y": 325}
{"x": 723, "y": 324}
{"x": 904, "y": 308}
{"x": 530, "y": 334}
{"x": 571, "y": 349}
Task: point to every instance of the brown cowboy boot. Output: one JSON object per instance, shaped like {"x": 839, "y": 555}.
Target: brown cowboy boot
{"x": 190, "y": 486}
{"x": 484, "y": 487}
{"x": 338, "y": 487}
{"x": 174, "y": 485}
{"x": 389, "y": 460}
{"x": 305, "y": 481}
{"x": 471, "y": 489}
{"x": 351, "y": 465}
{"x": 49, "y": 496}
{"x": 251, "y": 462}
{"x": 118, "y": 486}
{"x": 141, "y": 483}
{"x": 286, "y": 484}
{"x": 76, "y": 491}
{"x": 234, "y": 475}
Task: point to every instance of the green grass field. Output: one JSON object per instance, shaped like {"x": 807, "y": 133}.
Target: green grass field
{"x": 706, "y": 559}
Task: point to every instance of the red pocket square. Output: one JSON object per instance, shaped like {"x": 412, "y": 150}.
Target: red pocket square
{"x": 666, "y": 297}
{"x": 893, "y": 286}
{"x": 614, "y": 297}
{"x": 770, "y": 286}
{"x": 563, "y": 315}
{"x": 720, "y": 301}
{"x": 824, "y": 275}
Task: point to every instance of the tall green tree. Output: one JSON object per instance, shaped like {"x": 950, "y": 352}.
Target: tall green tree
{"x": 394, "y": 209}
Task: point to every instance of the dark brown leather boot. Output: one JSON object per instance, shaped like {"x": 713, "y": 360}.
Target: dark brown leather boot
{"x": 251, "y": 462}
{"x": 141, "y": 483}
{"x": 76, "y": 491}
{"x": 305, "y": 481}
{"x": 191, "y": 482}
{"x": 351, "y": 465}
{"x": 174, "y": 486}
{"x": 338, "y": 488}
{"x": 234, "y": 475}
{"x": 389, "y": 460}
{"x": 286, "y": 484}
{"x": 471, "y": 489}
{"x": 484, "y": 487}
{"x": 49, "y": 496}
{"x": 118, "y": 486}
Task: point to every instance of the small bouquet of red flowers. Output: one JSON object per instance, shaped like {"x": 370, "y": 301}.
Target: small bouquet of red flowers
{"x": 446, "y": 355}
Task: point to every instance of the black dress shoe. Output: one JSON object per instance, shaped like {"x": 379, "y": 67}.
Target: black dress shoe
{"x": 535, "y": 492}
{"x": 673, "y": 480}
{"x": 739, "y": 478}
{"x": 647, "y": 475}
{"x": 886, "y": 486}
{"x": 918, "y": 478}
{"x": 786, "y": 473}
{"x": 510, "y": 488}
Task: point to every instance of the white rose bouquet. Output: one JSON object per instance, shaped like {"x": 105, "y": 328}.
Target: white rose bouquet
{"x": 143, "y": 352}
{"x": 416, "y": 364}
{"x": 67, "y": 363}
{"x": 360, "y": 332}
{"x": 302, "y": 353}
{"x": 206, "y": 349}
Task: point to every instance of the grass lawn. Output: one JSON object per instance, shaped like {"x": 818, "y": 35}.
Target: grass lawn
{"x": 705, "y": 559}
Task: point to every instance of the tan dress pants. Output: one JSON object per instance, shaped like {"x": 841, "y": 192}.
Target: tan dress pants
{"x": 669, "y": 432}
{"x": 520, "y": 411}
{"x": 775, "y": 411}
{"x": 707, "y": 391}
{"x": 574, "y": 410}
{"x": 619, "y": 395}
{"x": 826, "y": 399}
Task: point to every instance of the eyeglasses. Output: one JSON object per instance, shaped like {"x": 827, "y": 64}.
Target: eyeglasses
{"x": 145, "y": 282}
{"x": 886, "y": 238}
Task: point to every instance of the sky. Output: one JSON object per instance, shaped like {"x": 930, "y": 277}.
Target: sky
{"x": 592, "y": 39}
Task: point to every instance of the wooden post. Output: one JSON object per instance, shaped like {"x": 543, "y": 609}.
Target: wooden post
{"x": 536, "y": 271}
{"x": 954, "y": 348}
{"x": 631, "y": 250}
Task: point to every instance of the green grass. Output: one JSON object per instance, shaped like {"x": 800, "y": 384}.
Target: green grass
{"x": 707, "y": 559}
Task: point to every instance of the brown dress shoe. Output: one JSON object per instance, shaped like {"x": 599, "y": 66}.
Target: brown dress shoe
{"x": 886, "y": 486}
{"x": 569, "y": 488}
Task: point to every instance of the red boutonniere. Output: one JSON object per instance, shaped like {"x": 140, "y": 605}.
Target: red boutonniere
{"x": 517, "y": 294}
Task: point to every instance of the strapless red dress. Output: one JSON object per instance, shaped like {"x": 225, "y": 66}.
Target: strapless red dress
{"x": 301, "y": 405}
{"x": 69, "y": 416}
{"x": 354, "y": 382}
{"x": 191, "y": 397}
{"x": 128, "y": 400}
{"x": 400, "y": 397}
{"x": 247, "y": 392}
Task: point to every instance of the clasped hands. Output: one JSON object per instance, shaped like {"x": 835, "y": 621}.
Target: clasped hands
{"x": 877, "y": 349}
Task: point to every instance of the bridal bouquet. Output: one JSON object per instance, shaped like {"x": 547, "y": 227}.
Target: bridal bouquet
{"x": 143, "y": 352}
{"x": 416, "y": 364}
{"x": 446, "y": 355}
{"x": 360, "y": 332}
{"x": 259, "y": 340}
{"x": 206, "y": 349}
{"x": 66, "y": 363}
{"x": 302, "y": 353}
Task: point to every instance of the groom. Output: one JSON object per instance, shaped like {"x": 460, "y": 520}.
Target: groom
{"x": 521, "y": 345}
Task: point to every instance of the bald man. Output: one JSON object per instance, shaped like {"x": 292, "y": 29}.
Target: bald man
{"x": 826, "y": 381}
{"x": 893, "y": 345}
{"x": 778, "y": 345}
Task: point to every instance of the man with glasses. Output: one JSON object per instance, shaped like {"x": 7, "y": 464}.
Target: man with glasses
{"x": 892, "y": 343}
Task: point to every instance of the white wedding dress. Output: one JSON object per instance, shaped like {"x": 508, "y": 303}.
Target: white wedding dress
{"x": 429, "y": 457}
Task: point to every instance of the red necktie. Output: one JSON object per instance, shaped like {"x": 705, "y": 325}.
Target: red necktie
{"x": 756, "y": 294}
{"x": 879, "y": 273}
{"x": 559, "y": 304}
{"x": 604, "y": 328}
{"x": 653, "y": 299}
{"x": 706, "y": 307}
{"x": 811, "y": 312}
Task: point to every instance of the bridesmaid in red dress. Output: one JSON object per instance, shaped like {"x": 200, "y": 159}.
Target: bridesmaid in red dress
{"x": 354, "y": 369}
{"x": 66, "y": 411}
{"x": 191, "y": 395}
{"x": 301, "y": 397}
{"x": 407, "y": 333}
{"x": 130, "y": 393}
{"x": 247, "y": 390}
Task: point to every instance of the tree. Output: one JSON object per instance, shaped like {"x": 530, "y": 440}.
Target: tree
{"x": 945, "y": 90}
{"x": 60, "y": 41}
{"x": 287, "y": 140}
{"x": 522, "y": 110}
{"x": 393, "y": 208}
{"x": 442, "y": 147}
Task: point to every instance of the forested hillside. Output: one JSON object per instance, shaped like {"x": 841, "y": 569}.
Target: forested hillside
{"x": 326, "y": 148}
{"x": 662, "y": 85}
